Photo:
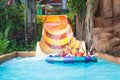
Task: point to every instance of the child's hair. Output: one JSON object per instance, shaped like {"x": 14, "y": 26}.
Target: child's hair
{"x": 90, "y": 42}
{"x": 77, "y": 48}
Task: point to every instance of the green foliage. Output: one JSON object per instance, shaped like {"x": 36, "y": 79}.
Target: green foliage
{"x": 32, "y": 46}
{"x": 12, "y": 16}
{"x": 78, "y": 6}
{"x": 15, "y": 46}
{"x": 78, "y": 9}
{"x": 4, "y": 42}
{"x": 71, "y": 17}
{"x": 39, "y": 27}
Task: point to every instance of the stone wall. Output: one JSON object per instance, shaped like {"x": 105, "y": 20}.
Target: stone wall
{"x": 106, "y": 31}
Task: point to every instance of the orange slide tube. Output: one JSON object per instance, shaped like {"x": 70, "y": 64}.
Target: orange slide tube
{"x": 57, "y": 33}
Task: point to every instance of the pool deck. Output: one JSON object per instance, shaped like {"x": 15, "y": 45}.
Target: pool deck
{"x": 109, "y": 57}
{"x": 14, "y": 54}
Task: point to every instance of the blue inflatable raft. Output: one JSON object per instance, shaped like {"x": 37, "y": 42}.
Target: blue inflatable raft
{"x": 71, "y": 59}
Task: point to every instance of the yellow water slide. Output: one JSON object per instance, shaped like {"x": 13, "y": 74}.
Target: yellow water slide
{"x": 57, "y": 34}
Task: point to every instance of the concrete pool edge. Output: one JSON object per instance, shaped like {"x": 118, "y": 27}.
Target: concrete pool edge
{"x": 14, "y": 54}
{"x": 6, "y": 57}
{"x": 109, "y": 57}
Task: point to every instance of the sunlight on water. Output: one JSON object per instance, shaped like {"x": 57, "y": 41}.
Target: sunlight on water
{"x": 36, "y": 68}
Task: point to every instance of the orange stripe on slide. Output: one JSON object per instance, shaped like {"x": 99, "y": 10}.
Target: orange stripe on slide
{"x": 56, "y": 36}
{"x": 60, "y": 46}
{"x": 52, "y": 18}
{"x": 63, "y": 19}
{"x": 57, "y": 29}
{"x": 58, "y": 42}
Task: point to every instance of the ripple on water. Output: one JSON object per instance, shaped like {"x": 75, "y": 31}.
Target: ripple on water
{"x": 36, "y": 68}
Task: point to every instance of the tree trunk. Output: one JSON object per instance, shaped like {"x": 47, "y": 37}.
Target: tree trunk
{"x": 77, "y": 27}
{"x": 91, "y": 9}
{"x": 30, "y": 22}
{"x": 33, "y": 18}
{"x": 25, "y": 23}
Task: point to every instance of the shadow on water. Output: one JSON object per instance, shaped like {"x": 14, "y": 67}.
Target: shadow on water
{"x": 75, "y": 64}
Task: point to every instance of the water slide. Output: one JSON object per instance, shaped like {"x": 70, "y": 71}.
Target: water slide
{"x": 56, "y": 35}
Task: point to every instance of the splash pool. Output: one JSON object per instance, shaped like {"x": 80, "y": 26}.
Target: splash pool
{"x": 37, "y": 68}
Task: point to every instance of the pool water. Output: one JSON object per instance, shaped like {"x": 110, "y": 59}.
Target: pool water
{"x": 36, "y": 68}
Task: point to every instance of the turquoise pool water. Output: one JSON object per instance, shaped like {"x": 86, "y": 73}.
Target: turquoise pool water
{"x": 37, "y": 68}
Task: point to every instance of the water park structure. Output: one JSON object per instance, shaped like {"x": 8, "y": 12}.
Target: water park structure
{"x": 57, "y": 34}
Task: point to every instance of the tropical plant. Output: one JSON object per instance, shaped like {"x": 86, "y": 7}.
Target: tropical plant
{"x": 39, "y": 27}
{"x": 79, "y": 9}
{"x": 13, "y": 16}
{"x": 4, "y": 41}
{"x": 71, "y": 17}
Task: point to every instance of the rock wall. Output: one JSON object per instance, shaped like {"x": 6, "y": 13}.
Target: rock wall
{"x": 106, "y": 31}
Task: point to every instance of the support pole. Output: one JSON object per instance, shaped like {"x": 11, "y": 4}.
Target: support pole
{"x": 64, "y": 4}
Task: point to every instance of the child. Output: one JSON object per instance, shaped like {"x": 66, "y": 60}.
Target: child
{"x": 78, "y": 54}
{"x": 62, "y": 54}
{"x": 91, "y": 49}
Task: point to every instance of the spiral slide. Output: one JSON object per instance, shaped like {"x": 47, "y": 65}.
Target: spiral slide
{"x": 56, "y": 35}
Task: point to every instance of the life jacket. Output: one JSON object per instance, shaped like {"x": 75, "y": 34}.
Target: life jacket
{"x": 63, "y": 54}
{"x": 79, "y": 54}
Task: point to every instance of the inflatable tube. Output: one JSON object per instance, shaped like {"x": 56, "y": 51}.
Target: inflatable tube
{"x": 70, "y": 59}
